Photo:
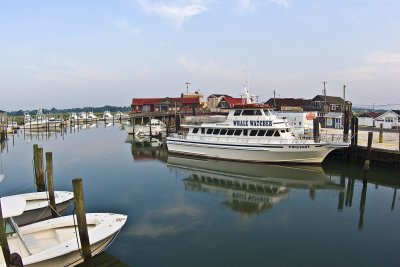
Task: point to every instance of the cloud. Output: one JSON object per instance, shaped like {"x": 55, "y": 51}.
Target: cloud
{"x": 124, "y": 25}
{"x": 178, "y": 13}
{"x": 378, "y": 64}
{"x": 208, "y": 67}
{"x": 167, "y": 220}
{"x": 245, "y": 6}
{"x": 66, "y": 71}
{"x": 285, "y": 3}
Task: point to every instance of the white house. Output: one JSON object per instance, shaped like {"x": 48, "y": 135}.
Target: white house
{"x": 368, "y": 118}
{"x": 389, "y": 120}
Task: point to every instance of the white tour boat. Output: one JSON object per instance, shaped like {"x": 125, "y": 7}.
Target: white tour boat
{"x": 54, "y": 242}
{"x": 38, "y": 207}
{"x": 157, "y": 128}
{"x": 251, "y": 133}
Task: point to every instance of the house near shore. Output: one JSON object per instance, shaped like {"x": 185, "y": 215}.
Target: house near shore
{"x": 368, "y": 118}
{"x": 183, "y": 105}
{"x": 213, "y": 101}
{"x": 328, "y": 109}
{"x": 389, "y": 120}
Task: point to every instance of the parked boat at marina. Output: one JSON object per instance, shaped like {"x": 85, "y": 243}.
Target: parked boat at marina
{"x": 157, "y": 128}
{"x": 121, "y": 116}
{"x": 107, "y": 116}
{"x": 39, "y": 121}
{"x": 37, "y": 206}
{"x": 251, "y": 132}
{"x": 54, "y": 242}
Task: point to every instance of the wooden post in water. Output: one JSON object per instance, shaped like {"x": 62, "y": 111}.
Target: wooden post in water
{"x": 381, "y": 134}
{"x": 150, "y": 127}
{"x": 81, "y": 218}
{"x": 316, "y": 130}
{"x": 3, "y": 239}
{"x": 39, "y": 167}
{"x": 50, "y": 184}
{"x": 368, "y": 155}
{"x": 167, "y": 130}
{"x": 353, "y": 140}
{"x": 362, "y": 205}
{"x": 394, "y": 198}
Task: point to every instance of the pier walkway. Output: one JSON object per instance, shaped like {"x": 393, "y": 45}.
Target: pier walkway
{"x": 390, "y": 137}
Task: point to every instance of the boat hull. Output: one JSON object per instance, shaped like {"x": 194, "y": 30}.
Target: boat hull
{"x": 74, "y": 258}
{"x": 313, "y": 153}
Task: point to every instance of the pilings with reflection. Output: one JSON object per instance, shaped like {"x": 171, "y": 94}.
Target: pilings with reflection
{"x": 362, "y": 205}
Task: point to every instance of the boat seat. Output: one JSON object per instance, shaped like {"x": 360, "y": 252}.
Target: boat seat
{"x": 32, "y": 244}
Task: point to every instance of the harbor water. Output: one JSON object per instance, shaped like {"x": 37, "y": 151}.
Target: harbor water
{"x": 197, "y": 212}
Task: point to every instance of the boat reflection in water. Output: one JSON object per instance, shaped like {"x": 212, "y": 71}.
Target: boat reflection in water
{"x": 145, "y": 148}
{"x": 250, "y": 187}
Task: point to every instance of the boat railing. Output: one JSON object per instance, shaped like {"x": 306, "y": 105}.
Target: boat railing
{"x": 326, "y": 138}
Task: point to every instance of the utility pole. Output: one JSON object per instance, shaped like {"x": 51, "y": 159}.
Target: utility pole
{"x": 187, "y": 86}
{"x": 274, "y": 100}
{"x": 325, "y": 104}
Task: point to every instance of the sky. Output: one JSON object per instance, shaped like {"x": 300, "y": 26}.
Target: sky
{"x": 71, "y": 53}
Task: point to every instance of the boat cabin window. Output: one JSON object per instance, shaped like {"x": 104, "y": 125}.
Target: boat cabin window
{"x": 248, "y": 112}
{"x": 203, "y": 130}
{"x": 277, "y": 133}
{"x": 268, "y": 112}
{"x": 209, "y": 131}
{"x": 282, "y": 131}
{"x": 195, "y": 130}
{"x": 238, "y": 132}
{"x": 261, "y": 132}
{"x": 230, "y": 132}
{"x": 9, "y": 227}
{"x": 270, "y": 133}
{"x": 223, "y": 131}
{"x": 253, "y": 132}
{"x": 237, "y": 112}
{"x": 245, "y": 132}
{"x": 257, "y": 112}
{"x": 216, "y": 131}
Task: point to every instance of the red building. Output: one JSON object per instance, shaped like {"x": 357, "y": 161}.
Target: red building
{"x": 184, "y": 105}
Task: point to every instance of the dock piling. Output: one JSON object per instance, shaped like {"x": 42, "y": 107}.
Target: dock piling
{"x": 39, "y": 168}
{"x": 381, "y": 133}
{"x": 368, "y": 155}
{"x": 50, "y": 184}
{"x": 82, "y": 224}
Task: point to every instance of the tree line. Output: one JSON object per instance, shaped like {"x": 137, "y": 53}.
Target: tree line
{"x": 112, "y": 109}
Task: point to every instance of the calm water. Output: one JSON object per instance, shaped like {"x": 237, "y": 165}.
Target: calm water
{"x": 188, "y": 212}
